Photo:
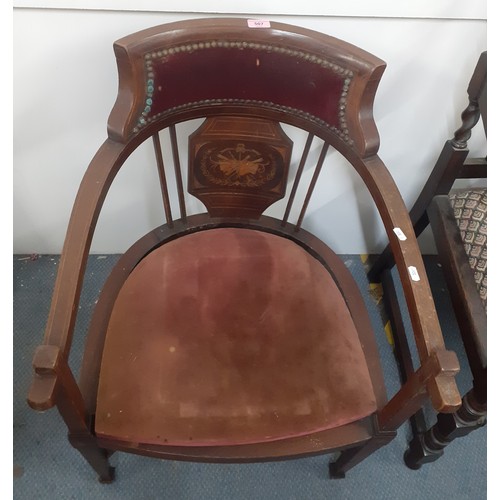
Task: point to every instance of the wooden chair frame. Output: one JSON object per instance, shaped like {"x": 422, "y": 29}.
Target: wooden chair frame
{"x": 433, "y": 207}
{"x": 129, "y": 126}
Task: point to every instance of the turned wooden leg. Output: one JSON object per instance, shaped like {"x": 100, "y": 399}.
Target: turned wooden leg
{"x": 429, "y": 446}
{"x": 97, "y": 457}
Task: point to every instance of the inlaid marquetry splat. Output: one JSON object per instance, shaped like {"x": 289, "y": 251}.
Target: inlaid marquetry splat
{"x": 238, "y": 164}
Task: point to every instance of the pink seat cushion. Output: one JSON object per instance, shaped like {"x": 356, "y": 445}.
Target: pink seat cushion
{"x": 230, "y": 336}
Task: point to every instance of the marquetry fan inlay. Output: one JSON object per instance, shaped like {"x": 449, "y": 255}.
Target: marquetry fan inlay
{"x": 242, "y": 165}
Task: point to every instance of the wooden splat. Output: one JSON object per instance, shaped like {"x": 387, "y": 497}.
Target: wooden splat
{"x": 238, "y": 166}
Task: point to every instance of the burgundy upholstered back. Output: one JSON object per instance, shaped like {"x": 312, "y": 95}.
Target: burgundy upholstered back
{"x": 192, "y": 68}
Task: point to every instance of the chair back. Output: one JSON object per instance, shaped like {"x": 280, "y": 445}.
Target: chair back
{"x": 245, "y": 81}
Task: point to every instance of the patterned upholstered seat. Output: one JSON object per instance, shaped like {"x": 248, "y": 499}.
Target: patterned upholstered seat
{"x": 470, "y": 210}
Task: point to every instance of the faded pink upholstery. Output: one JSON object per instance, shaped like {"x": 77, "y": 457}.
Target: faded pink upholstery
{"x": 231, "y": 336}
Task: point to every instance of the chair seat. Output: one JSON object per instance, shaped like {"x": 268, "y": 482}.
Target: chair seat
{"x": 230, "y": 336}
{"x": 470, "y": 210}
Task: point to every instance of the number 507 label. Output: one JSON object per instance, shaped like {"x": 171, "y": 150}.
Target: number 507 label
{"x": 258, "y": 23}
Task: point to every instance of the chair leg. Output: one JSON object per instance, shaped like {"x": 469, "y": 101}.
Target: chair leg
{"x": 96, "y": 457}
{"x": 347, "y": 459}
{"x": 353, "y": 456}
{"x": 429, "y": 446}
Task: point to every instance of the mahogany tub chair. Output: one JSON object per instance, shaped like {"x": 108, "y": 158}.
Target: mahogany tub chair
{"x": 229, "y": 335}
{"x": 458, "y": 219}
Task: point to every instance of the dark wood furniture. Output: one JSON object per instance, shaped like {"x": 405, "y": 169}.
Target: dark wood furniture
{"x": 458, "y": 222}
{"x": 232, "y": 336}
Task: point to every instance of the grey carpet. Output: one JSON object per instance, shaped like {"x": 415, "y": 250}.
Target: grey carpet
{"x": 46, "y": 467}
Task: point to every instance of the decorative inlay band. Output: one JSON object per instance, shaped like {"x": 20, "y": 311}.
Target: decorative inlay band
{"x": 150, "y": 57}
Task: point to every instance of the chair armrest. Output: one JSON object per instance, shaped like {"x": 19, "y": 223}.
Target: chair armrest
{"x": 64, "y": 306}
{"x": 438, "y": 370}
{"x": 440, "y": 385}
{"x": 53, "y": 379}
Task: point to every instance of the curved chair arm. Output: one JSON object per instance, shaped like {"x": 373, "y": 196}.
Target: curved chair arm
{"x": 438, "y": 366}
{"x": 64, "y": 306}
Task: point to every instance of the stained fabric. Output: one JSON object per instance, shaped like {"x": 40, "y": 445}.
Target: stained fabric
{"x": 230, "y": 336}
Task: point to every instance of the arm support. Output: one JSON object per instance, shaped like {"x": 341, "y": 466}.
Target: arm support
{"x": 53, "y": 378}
{"x": 62, "y": 315}
{"x": 439, "y": 383}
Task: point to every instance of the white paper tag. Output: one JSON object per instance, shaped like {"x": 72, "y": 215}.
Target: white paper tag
{"x": 258, "y": 23}
{"x": 399, "y": 233}
{"x": 414, "y": 273}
